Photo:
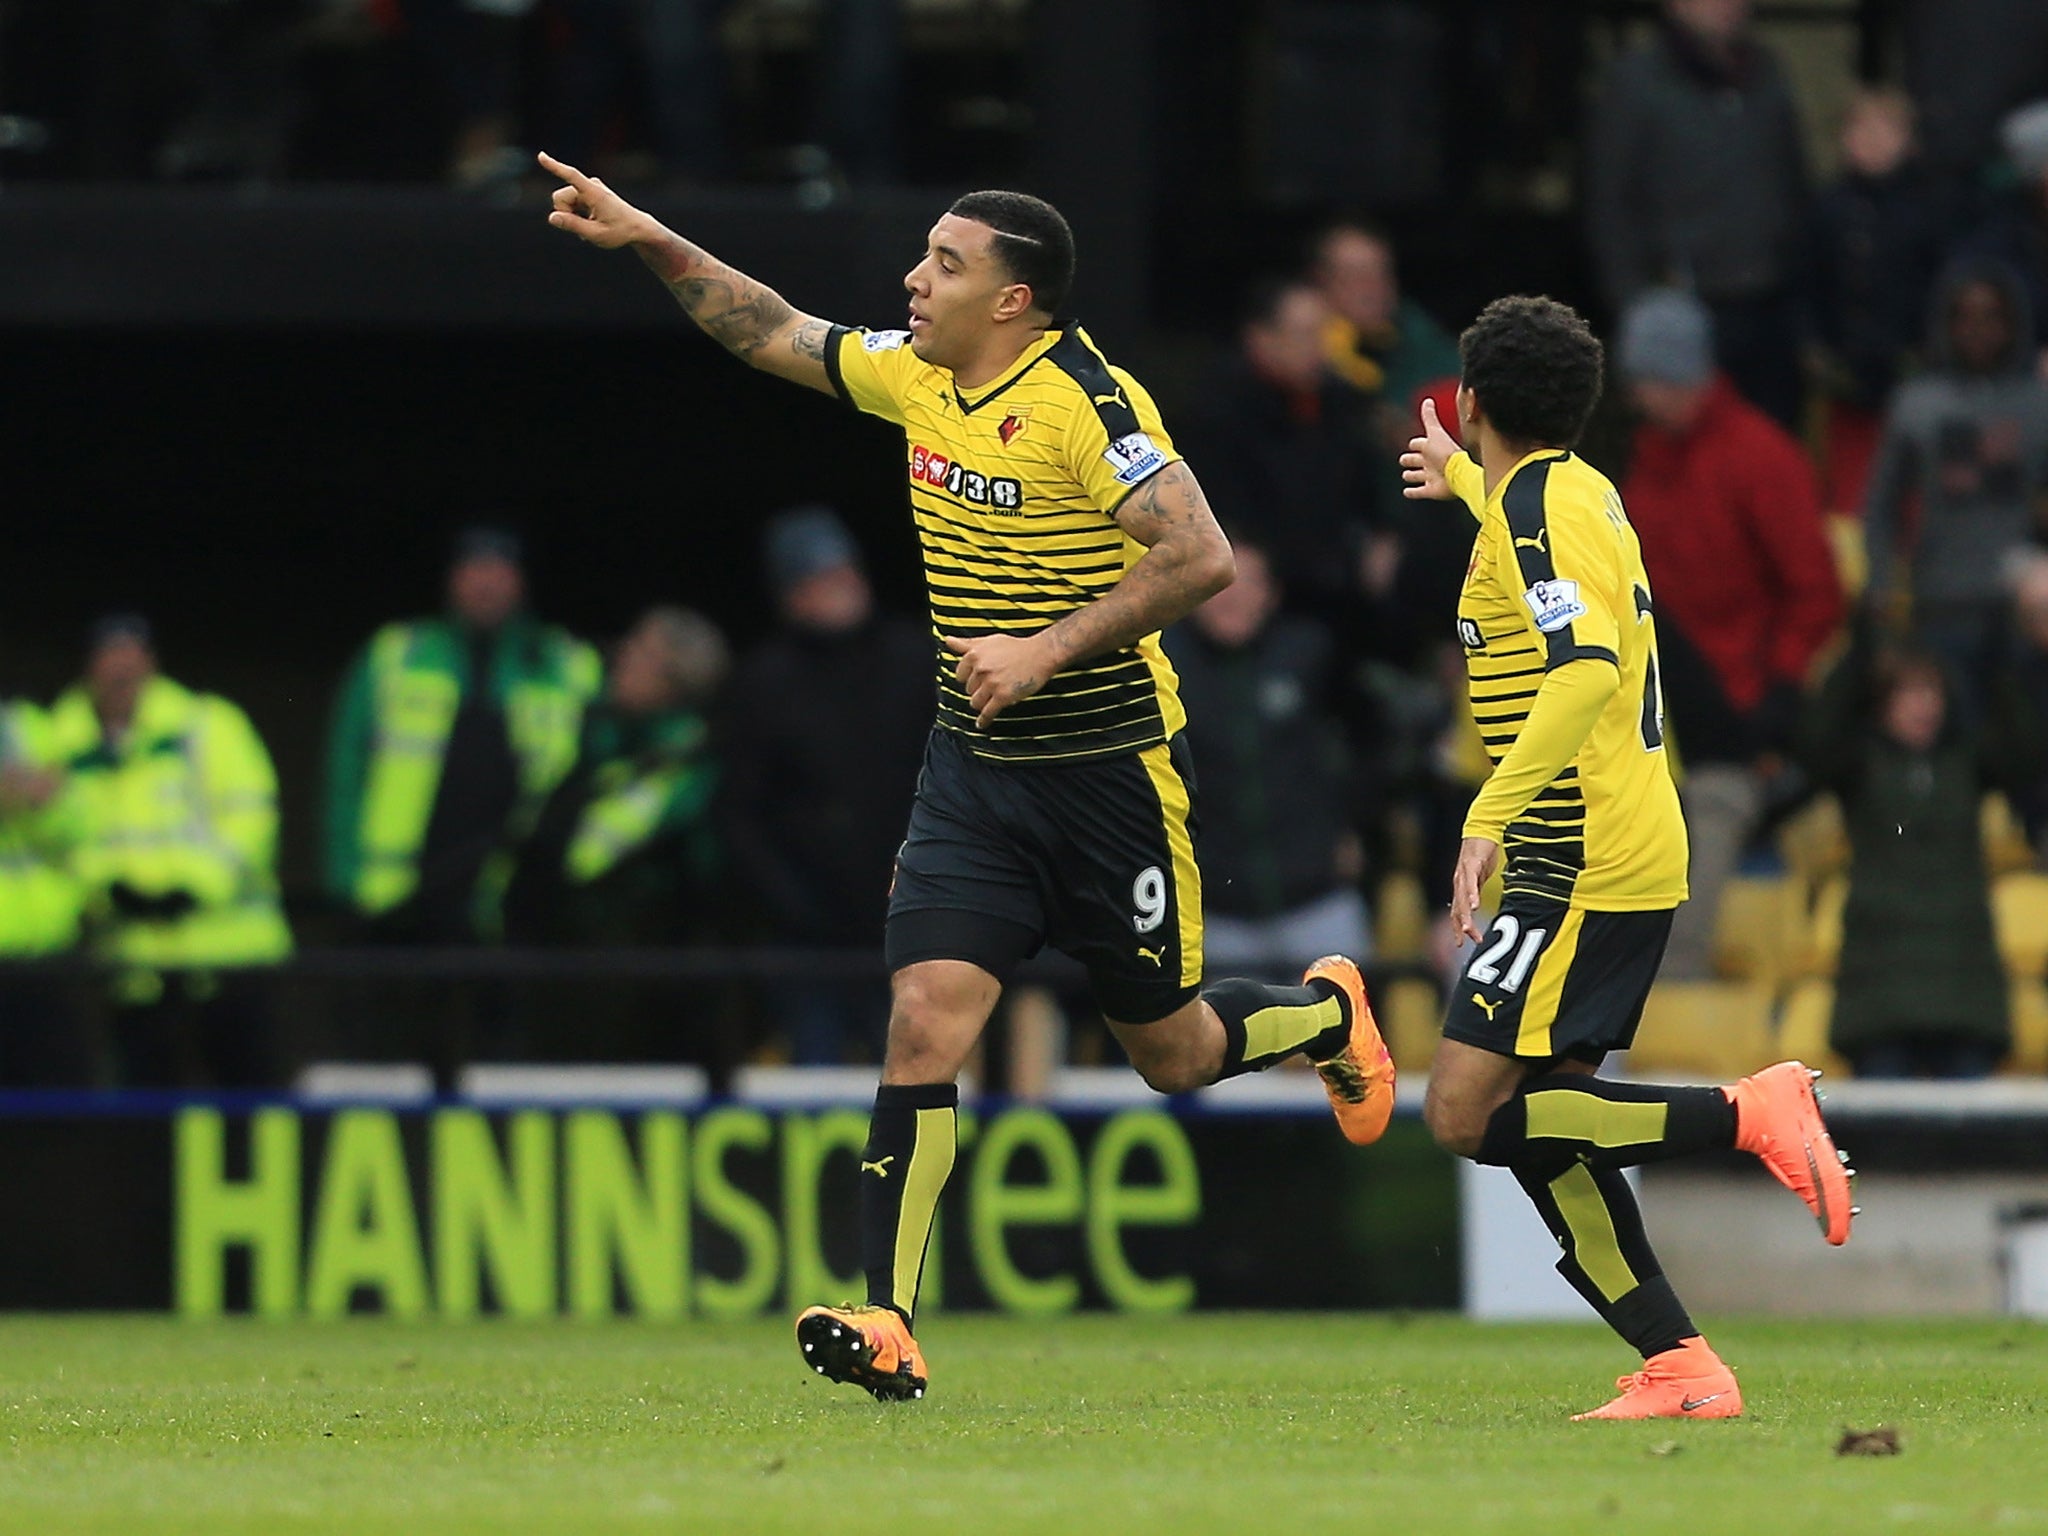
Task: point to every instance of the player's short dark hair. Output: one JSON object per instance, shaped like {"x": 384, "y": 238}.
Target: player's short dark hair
{"x": 1536, "y": 367}
{"x": 1033, "y": 241}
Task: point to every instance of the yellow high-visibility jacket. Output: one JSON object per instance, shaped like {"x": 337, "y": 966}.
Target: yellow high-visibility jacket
{"x": 391, "y": 730}
{"x": 41, "y": 898}
{"x": 185, "y": 801}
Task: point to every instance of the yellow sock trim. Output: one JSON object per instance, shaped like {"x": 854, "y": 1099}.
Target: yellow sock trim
{"x": 931, "y": 1161}
{"x": 1569, "y": 1116}
{"x": 1285, "y": 1028}
{"x": 1594, "y": 1244}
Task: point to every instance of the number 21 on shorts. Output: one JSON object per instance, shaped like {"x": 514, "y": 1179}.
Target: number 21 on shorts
{"x": 1507, "y": 933}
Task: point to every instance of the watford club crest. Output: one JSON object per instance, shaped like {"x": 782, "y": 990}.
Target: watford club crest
{"x": 1013, "y": 426}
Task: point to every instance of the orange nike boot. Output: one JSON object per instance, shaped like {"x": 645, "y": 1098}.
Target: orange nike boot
{"x": 1360, "y": 1078}
{"x": 869, "y": 1346}
{"x": 1688, "y": 1382}
{"x": 1777, "y": 1116}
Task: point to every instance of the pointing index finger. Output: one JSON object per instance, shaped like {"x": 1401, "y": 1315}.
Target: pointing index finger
{"x": 567, "y": 172}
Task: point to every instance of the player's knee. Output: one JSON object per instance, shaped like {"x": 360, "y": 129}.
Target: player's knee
{"x": 926, "y": 1023}
{"x": 1172, "y": 1074}
{"x": 1166, "y": 1064}
{"x": 1456, "y": 1128}
{"x": 915, "y": 1033}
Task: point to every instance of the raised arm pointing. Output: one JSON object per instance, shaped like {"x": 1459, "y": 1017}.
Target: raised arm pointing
{"x": 749, "y": 319}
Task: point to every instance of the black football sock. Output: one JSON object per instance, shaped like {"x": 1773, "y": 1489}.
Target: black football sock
{"x": 912, "y": 1135}
{"x": 1264, "y": 1024}
{"x": 1575, "y": 1116}
{"x": 1607, "y": 1258}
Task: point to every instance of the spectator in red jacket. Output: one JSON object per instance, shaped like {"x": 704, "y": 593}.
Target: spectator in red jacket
{"x": 1728, "y": 511}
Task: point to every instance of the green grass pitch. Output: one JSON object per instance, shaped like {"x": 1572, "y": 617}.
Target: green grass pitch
{"x": 1213, "y": 1423}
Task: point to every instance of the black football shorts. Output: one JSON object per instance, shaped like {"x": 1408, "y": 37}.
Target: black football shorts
{"x": 1095, "y": 858}
{"x": 1551, "y": 981}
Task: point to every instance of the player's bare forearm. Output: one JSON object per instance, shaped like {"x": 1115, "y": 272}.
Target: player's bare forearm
{"x": 1187, "y": 561}
{"x": 748, "y": 318}
{"x": 1164, "y": 587}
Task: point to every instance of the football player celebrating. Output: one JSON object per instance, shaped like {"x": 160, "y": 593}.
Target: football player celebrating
{"x": 1561, "y": 646}
{"x": 1061, "y": 532}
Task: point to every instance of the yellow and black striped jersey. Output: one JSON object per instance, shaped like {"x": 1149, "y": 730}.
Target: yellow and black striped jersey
{"x": 1012, "y": 488}
{"x": 1557, "y": 576}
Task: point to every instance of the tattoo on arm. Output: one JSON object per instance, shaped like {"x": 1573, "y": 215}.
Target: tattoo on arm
{"x": 1169, "y": 503}
{"x": 1186, "y": 562}
{"x": 738, "y": 313}
{"x": 810, "y": 339}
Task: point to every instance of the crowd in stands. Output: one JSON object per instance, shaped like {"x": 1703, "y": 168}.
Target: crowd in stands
{"x": 264, "y": 91}
{"x": 1828, "y": 404}
{"x": 491, "y": 781}
{"x": 1829, "y": 418}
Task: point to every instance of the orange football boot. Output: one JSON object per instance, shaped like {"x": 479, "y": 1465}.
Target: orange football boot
{"x": 1688, "y": 1382}
{"x": 1777, "y": 1116}
{"x": 869, "y": 1346}
{"x": 1360, "y": 1078}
